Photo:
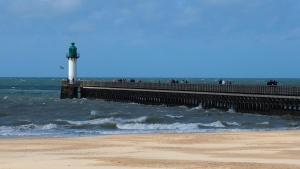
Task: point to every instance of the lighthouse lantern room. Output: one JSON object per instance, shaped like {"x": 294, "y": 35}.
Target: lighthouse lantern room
{"x": 72, "y": 61}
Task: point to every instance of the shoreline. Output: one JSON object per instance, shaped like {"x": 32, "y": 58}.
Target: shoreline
{"x": 272, "y": 149}
{"x": 219, "y": 131}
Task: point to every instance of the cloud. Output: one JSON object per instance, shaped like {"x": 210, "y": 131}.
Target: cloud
{"x": 292, "y": 35}
{"x": 38, "y": 8}
{"x": 188, "y": 16}
{"x": 82, "y": 27}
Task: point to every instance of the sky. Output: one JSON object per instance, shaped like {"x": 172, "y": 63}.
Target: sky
{"x": 151, "y": 38}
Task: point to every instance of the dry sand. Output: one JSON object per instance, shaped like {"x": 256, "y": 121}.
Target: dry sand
{"x": 251, "y": 150}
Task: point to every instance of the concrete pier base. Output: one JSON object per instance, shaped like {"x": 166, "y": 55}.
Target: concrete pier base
{"x": 69, "y": 91}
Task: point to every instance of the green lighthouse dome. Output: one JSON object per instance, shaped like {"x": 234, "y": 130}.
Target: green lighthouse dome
{"x": 72, "y": 51}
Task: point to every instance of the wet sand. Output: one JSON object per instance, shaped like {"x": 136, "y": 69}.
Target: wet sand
{"x": 250, "y": 150}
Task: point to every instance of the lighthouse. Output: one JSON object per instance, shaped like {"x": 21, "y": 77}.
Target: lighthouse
{"x": 72, "y": 61}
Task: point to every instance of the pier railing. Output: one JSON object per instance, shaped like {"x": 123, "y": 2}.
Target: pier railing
{"x": 215, "y": 88}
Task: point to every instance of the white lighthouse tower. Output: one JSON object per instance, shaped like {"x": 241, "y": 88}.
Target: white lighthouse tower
{"x": 72, "y": 61}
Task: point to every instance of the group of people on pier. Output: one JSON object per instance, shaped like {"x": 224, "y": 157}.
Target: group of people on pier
{"x": 174, "y": 81}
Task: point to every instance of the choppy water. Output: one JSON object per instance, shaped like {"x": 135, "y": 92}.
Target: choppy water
{"x": 31, "y": 107}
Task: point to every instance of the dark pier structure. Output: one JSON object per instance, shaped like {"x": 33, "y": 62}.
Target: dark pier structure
{"x": 263, "y": 99}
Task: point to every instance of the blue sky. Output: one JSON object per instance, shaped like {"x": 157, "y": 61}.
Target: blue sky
{"x": 151, "y": 38}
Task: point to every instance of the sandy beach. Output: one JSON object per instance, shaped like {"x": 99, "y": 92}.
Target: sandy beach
{"x": 276, "y": 150}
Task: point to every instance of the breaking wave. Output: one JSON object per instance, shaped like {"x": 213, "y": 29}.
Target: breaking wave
{"x": 27, "y": 129}
{"x": 106, "y": 120}
{"x": 231, "y": 123}
{"x": 173, "y": 126}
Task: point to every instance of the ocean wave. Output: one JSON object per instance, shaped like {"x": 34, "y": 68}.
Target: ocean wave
{"x": 33, "y": 90}
{"x": 3, "y": 114}
{"x": 294, "y": 124}
{"x": 91, "y": 127}
{"x": 98, "y": 114}
{"x": 35, "y": 127}
{"x": 29, "y": 130}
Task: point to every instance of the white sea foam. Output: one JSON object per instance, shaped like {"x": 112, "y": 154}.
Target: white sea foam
{"x": 196, "y": 108}
{"x": 91, "y": 122}
{"x": 36, "y": 127}
{"x": 27, "y": 129}
{"x": 107, "y": 120}
{"x": 183, "y": 107}
{"x": 133, "y": 103}
{"x": 174, "y": 116}
{"x": 47, "y": 126}
{"x": 6, "y": 129}
{"x": 136, "y": 120}
{"x": 232, "y": 123}
{"x": 264, "y": 123}
{"x": 5, "y": 97}
{"x": 217, "y": 124}
{"x": 173, "y": 126}
{"x": 231, "y": 110}
{"x": 93, "y": 113}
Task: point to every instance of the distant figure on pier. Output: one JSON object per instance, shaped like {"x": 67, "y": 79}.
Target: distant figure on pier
{"x": 272, "y": 83}
{"x": 222, "y": 82}
{"x": 125, "y": 80}
{"x": 184, "y": 82}
{"x": 174, "y": 81}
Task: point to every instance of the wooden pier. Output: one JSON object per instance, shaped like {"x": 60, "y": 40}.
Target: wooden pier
{"x": 270, "y": 100}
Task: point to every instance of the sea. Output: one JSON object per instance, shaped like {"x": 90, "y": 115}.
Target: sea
{"x": 31, "y": 107}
